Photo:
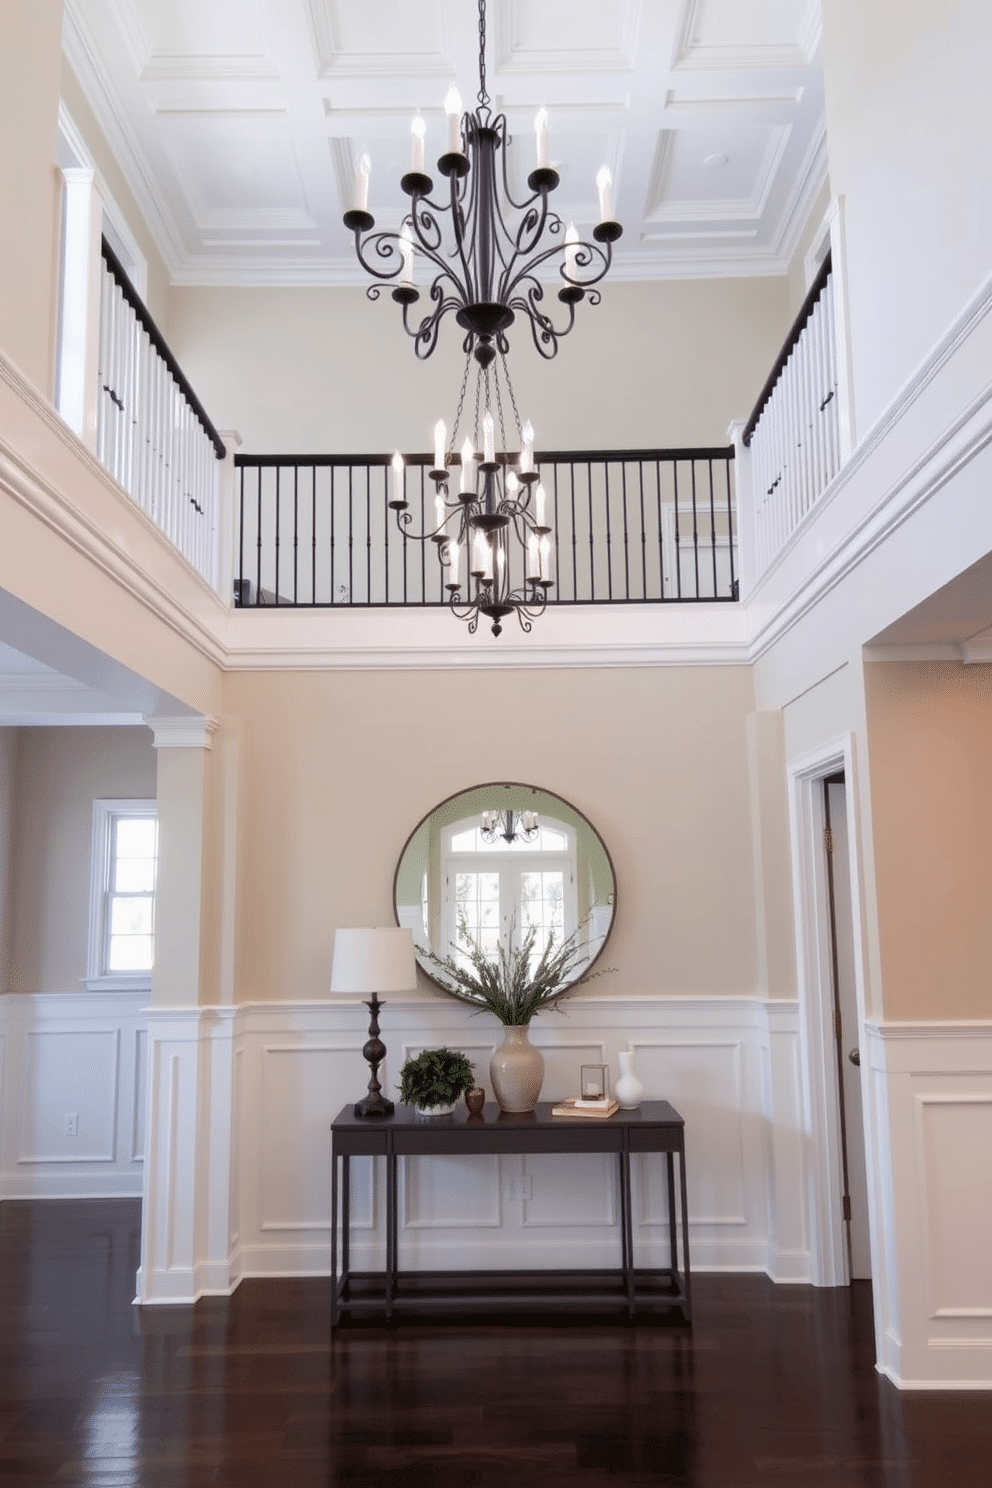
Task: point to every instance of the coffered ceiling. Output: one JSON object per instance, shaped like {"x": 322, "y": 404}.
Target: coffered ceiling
{"x": 238, "y": 123}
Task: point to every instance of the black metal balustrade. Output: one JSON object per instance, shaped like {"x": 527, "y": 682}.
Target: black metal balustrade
{"x": 629, "y": 527}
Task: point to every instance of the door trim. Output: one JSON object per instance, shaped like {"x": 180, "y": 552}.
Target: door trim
{"x": 821, "y": 1101}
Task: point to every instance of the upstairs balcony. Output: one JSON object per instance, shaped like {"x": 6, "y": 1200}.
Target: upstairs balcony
{"x": 630, "y": 527}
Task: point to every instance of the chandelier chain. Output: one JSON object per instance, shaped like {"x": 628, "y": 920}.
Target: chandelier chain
{"x": 513, "y": 396}
{"x": 461, "y": 404}
{"x": 483, "y": 95}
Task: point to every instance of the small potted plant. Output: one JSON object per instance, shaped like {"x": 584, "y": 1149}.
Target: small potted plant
{"x": 434, "y": 1080}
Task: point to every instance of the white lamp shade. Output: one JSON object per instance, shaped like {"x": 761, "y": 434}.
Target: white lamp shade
{"x": 367, "y": 961}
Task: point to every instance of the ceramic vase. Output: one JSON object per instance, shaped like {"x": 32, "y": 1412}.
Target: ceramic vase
{"x": 628, "y": 1089}
{"x": 516, "y": 1070}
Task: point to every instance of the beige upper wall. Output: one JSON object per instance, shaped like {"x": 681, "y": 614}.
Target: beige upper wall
{"x": 929, "y": 730}
{"x": 30, "y": 75}
{"x": 339, "y": 767}
{"x": 909, "y": 116}
{"x": 297, "y": 370}
{"x": 59, "y": 772}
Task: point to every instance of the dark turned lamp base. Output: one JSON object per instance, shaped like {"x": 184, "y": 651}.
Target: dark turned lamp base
{"x": 374, "y": 1052}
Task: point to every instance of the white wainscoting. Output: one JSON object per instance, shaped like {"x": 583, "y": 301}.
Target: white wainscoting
{"x": 729, "y": 1065}
{"x": 72, "y": 1059}
{"x": 931, "y": 1105}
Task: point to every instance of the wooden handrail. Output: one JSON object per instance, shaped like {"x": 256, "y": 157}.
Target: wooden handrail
{"x": 155, "y": 336}
{"x": 796, "y": 330}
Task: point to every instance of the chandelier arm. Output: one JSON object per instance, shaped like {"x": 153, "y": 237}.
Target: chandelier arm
{"x": 458, "y": 216}
{"x": 385, "y": 245}
{"x": 586, "y": 254}
{"x": 545, "y": 333}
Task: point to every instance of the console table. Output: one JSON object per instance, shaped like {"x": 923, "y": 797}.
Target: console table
{"x": 655, "y": 1127}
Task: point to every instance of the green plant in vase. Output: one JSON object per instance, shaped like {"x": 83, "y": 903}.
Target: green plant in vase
{"x": 513, "y": 985}
{"x": 434, "y": 1079}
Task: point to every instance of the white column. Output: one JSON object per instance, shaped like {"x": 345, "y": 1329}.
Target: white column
{"x": 79, "y": 322}
{"x": 186, "y": 1221}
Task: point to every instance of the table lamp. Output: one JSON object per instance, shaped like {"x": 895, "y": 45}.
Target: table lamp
{"x": 369, "y": 962}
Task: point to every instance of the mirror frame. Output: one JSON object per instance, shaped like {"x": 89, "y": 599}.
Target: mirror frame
{"x": 499, "y": 785}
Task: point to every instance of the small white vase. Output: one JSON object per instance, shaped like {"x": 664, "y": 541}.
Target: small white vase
{"x": 628, "y": 1089}
{"x": 516, "y": 1070}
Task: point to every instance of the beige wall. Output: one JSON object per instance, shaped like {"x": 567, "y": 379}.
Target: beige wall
{"x": 929, "y": 729}
{"x": 309, "y": 371}
{"x": 339, "y": 768}
{"x": 59, "y": 772}
{"x": 909, "y": 115}
{"x": 30, "y": 52}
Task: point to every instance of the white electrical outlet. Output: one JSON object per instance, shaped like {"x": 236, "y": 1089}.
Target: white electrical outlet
{"x": 70, "y": 1124}
{"x": 521, "y": 1186}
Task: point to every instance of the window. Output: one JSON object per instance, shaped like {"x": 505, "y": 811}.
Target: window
{"x": 122, "y": 894}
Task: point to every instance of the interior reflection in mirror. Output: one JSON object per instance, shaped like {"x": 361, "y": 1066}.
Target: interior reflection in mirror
{"x": 498, "y": 859}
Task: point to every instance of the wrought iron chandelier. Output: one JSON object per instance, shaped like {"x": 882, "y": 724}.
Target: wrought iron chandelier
{"x": 488, "y": 272}
{"x": 509, "y": 826}
{"x": 497, "y": 496}
{"x": 488, "y": 253}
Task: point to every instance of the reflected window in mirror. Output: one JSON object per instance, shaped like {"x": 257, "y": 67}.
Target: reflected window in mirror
{"x": 505, "y": 857}
{"x": 497, "y": 890}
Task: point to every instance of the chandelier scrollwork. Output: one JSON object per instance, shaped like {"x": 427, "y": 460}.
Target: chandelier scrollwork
{"x": 486, "y": 250}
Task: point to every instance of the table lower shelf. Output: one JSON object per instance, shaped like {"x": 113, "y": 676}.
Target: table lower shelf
{"x": 363, "y": 1293}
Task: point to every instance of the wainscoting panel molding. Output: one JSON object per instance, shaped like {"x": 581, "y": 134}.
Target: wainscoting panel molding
{"x": 932, "y": 1107}
{"x": 72, "y": 1108}
{"x": 300, "y": 1063}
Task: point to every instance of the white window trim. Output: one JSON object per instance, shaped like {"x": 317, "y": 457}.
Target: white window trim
{"x": 103, "y": 810}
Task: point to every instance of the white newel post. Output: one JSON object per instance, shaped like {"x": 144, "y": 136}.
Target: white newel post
{"x": 846, "y": 427}
{"x": 79, "y": 334}
{"x": 227, "y": 511}
{"x": 187, "y": 1178}
{"x": 745, "y": 509}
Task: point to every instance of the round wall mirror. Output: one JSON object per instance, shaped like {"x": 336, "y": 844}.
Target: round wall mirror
{"x": 499, "y": 859}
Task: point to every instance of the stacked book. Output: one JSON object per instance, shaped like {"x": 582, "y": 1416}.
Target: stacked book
{"x": 593, "y": 1108}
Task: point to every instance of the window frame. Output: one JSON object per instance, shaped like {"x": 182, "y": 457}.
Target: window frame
{"x": 105, "y": 812}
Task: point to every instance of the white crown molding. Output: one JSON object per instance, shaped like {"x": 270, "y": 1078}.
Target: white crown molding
{"x": 81, "y": 55}
{"x": 51, "y": 506}
{"x": 813, "y": 176}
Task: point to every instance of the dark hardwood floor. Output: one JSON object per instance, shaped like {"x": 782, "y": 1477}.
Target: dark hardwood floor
{"x": 772, "y": 1386}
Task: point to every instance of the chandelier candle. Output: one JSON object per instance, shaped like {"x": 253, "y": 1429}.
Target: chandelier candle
{"x": 440, "y": 439}
{"x": 543, "y": 142}
{"x": 418, "y": 132}
{"x": 362, "y": 172}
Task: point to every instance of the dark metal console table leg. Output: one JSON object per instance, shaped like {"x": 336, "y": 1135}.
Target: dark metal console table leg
{"x": 626, "y": 1229}
{"x": 334, "y": 1237}
{"x": 391, "y": 1246}
{"x": 687, "y": 1310}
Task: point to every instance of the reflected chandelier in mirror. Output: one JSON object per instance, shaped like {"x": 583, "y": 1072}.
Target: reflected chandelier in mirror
{"x": 554, "y": 873}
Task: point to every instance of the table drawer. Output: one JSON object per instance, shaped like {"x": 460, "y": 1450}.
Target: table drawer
{"x": 513, "y": 1139}
{"x": 656, "y": 1138}
{"x": 361, "y": 1143}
